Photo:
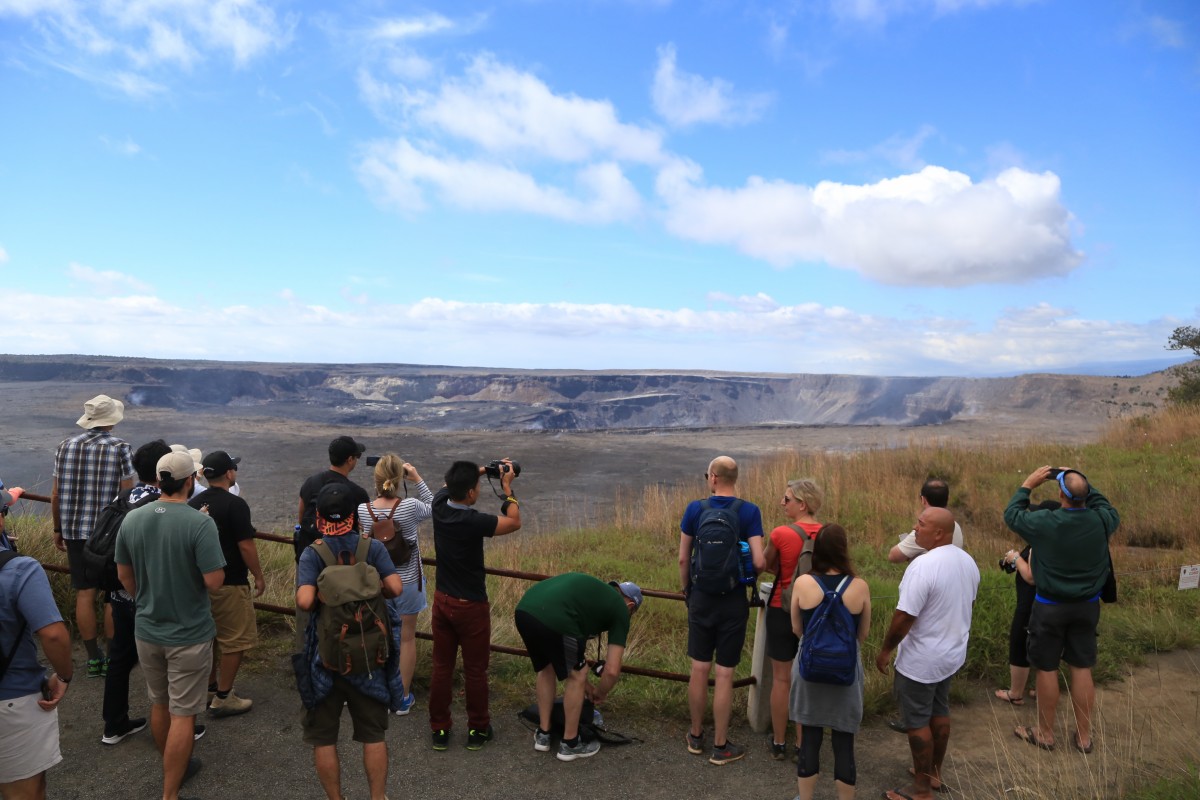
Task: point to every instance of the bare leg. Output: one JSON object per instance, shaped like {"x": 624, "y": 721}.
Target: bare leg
{"x": 921, "y": 744}
{"x": 698, "y": 694}
{"x": 805, "y": 787}
{"x": 32, "y": 788}
{"x": 408, "y": 649}
{"x": 722, "y": 704}
{"x": 1018, "y": 677}
{"x": 230, "y": 662}
{"x": 939, "y": 727}
{"x": 781, "y": 684}
{"x": 1083, "y": 699}
{"x": 85, "y": 613}
{"x": 1047, "y": 703}
{"x": 108, "y": 622}
{"x": 572, "y": 701}
{"x": 160, "y": 724}
{"x": 329, "y": 771}
{"x": 375, "y": 763}
{"x": 547, "y": 682}
{"x": 844, "y": 790}
{"x": 177, "y": 751}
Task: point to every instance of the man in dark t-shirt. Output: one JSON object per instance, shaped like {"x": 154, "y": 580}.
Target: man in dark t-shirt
{"x": 344, "y": 454}
{"x": 461, "y": 614}
{"x": 232, "y": 604}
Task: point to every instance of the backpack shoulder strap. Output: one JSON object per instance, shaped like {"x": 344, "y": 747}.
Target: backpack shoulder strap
{"x": 395, "y": 508}
{"x": 361, "y": 551}
{"x": 705, "y": 504}
{"x": 736, "y": 505}
{"x": 324, "y": 552}
{"x": 6, "y": 658}
{"x": 842, "y": 586}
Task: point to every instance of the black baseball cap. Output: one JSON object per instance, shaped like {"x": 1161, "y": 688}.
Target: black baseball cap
{"x": 218, "y": 462}
{"x": 335, "y": 509}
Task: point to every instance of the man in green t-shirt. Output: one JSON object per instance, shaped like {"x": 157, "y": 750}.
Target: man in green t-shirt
{"x": 168, "y": 558}
{"x": 555, "y": 618}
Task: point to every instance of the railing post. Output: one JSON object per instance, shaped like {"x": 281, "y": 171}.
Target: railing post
{"x": 758, "y": 706}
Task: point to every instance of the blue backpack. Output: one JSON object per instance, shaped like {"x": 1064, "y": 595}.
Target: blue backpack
{"x": 716, "y": 557}
{"x": 829, "y": 649}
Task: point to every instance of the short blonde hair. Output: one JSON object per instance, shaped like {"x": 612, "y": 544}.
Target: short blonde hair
{"x": 725, "y": 468}
{"x": 389, "y": 474}
{"x": 807, "y": 490}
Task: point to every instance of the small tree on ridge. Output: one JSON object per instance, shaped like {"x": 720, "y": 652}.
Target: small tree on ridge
{"x": 1187, "y": 391}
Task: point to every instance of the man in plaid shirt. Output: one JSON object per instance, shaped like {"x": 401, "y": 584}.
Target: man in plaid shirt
{"x": 89, "y": 470}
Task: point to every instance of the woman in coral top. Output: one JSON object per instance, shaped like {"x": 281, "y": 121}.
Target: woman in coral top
{"x": 801, "y": 502}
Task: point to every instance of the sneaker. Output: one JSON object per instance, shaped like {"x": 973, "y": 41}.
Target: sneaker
{"x": 95, "y": 668}
{"x": 778, "y": 751}
{"x": 476, "y": 738}
{"x": 580, "y": 749}
{"x": 695, "y": 743}
{"x": 198, "y": 732}
{"x": 406, "y": 705}
{"x": 230, "y": 706}
{"x": 118, "y": 735}
{"x": 723, "y": 755}
{"x": 541, "y": 741}
{"x": 897, "y": 726}
{"x": 441, "y": 740}
{"x": 194, "y": 765}
{"x": 104, "y": 668}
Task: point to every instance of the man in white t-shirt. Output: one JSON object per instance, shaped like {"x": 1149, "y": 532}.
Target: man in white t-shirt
{"x": 930, "y": 628}
{"x": 934, "y": 494}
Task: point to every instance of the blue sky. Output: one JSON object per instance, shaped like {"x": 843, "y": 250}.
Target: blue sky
{"x": 951, "y": 187}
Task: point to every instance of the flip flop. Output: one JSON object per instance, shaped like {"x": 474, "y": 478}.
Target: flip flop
{"x": 892, "y": 794}
{"x": 1075, "y": 743}
{"x": 1003, "y": 694}
{"x": 941, "y": 786}
{"x": 1028, "y": 734}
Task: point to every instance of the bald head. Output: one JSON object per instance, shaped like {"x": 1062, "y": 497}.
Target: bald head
{"x": 935, "y": 527}
{"x": 724, "y": 469}
{"x": 1077, "y": 485}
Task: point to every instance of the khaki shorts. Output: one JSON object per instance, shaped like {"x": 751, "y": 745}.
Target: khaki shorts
{"x": 233, "y": 612}
{"x": 368, "y": 716}
{"x": 28, "y": 738}
{"x": 176, "y": 675}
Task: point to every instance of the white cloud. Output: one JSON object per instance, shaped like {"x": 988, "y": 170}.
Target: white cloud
{"x": 933, "y": 227}
{"x": 684, "y": 99}
{"x": 877, "y": 12}
{"x": 124, "y": 147}
{"x": 410, "y": 27}
{"x": 107, "y": 283}
{"x": 898, "y": 150}
{"x": 399, "y": 174}
{"x": 108, "y": 39}
{"x": 506, "y": 111}
{"x": 3, "y": 256}
{"x": 757, "y": 334}
{"x": 1166, "y": 32}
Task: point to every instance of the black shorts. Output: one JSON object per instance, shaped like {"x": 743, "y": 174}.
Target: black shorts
{"x": 1065, "y": 631}
{"x": 717, "y": 623}
{"x": 782, "y": 644}
{"x": 75, "y": 562}
{"x": 547, "y": 646}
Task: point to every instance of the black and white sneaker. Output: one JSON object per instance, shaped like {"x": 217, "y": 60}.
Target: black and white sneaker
{"x": 198, "y": 732}
{"x": 130, "y": 727}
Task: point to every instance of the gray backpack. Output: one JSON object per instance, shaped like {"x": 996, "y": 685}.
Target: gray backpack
{"x": 353, "y": 632}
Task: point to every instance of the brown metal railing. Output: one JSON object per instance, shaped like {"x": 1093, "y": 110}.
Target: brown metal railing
{"x": 432, "y": 562}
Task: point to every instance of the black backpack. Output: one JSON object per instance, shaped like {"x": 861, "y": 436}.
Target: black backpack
{"x": 99, "y": 553}
{"x": 716, "y": 557}
{"x": 829, "y": 649}
{"x": 6, "y": 658}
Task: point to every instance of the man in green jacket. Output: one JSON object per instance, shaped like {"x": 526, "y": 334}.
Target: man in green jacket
{"x": 1070, "y": 565}
{"x": 555, "y": 618}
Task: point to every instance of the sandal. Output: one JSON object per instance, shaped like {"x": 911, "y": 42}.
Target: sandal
{"x": 1075, "y": 743}
{"x": 1006, "y": 696}
{"x": 1028, "y": 734}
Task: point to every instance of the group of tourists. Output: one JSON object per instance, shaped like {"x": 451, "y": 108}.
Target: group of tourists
{"x": 184, "y": 573}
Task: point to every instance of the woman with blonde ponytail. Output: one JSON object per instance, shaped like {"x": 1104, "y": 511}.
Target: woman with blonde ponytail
{"x": 393, "y": 475}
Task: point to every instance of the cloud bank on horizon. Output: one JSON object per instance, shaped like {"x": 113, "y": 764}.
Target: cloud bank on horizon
{"x": 883, "y": 187}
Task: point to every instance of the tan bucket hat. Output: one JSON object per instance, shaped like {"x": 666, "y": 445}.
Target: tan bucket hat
{"x": 100, "y": 412}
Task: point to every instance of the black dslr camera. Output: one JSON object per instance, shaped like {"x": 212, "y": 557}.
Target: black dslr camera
{"x": 494, "y": 469}
{"x": 1008, "y": 566}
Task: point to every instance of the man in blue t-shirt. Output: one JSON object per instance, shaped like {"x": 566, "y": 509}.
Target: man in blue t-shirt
{"x": 366, "y": 695}
{"x": 716, "y": 622}
{"x": 28, "y": 698}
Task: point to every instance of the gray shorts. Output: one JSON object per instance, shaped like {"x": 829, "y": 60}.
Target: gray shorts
{"x": 28, "y": 738}
{"x": 176, "y": 676}
{"x": 918, "y": 702}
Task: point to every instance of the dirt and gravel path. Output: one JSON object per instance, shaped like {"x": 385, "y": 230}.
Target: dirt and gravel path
{"x": 1149, "y": 725}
